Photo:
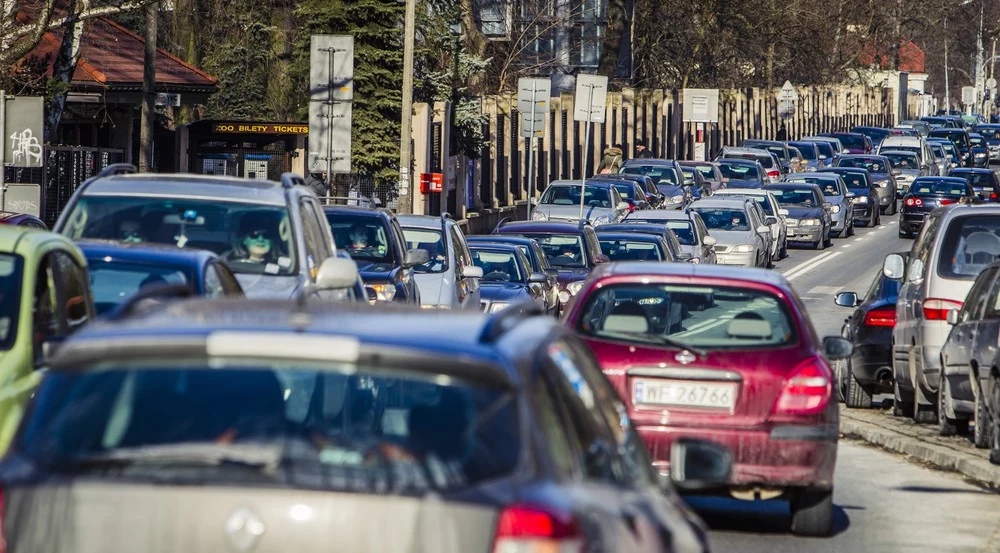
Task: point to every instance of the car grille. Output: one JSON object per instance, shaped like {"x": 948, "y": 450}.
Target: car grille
{"x": 721, "y": 249}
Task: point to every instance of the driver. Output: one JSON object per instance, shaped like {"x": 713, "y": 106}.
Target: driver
{"x": 130, "y": 231}
{"x": 358, "y": 237}
{"x": 255, "y": 241}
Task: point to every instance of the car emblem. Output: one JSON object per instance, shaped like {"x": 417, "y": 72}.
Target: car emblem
{"x": 685, "y": 357}
{"x": 244, "y": 529}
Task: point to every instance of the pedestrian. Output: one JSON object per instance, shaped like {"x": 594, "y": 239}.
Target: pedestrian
{"x": 612, "y": 160}
{"x": 782, "y": 134}
{"x": 640, "y": 150}
{"x": 316, "y": 181}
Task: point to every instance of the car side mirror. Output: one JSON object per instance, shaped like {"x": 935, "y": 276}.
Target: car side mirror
{"x": 472, "y": 271}
{"x": 416, "y": 257}
{"x": 699, "y": 464}
{"x": 763, "y": 229}
{"x": 771, "y": 220}
{"x": 837, "y": 348}
{"x": 783, "y": 212}
{"x": 846, "y": 299}
{"x": 916, "y": 270}
{"x": 893, "y": 266}
{"x": 601, "y": 258}
{"x": 725, "y": 180}
{"x": 540, "y": 278}
{"x": 952, "y": 317}
{"x": 710, "y": 241}
{"x": 623, "y": 206}
{"x": 336, "y": 273}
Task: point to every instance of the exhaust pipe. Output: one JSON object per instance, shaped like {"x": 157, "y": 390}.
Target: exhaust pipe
{"x": 883, "y": 376}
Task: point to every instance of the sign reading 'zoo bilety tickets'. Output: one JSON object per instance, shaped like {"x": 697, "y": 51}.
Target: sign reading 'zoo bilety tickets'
{"x": 22, "y": 134}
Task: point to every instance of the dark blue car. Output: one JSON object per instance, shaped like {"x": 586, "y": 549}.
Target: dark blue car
{"x": 507, "y": 277}
{"x": 118, "y": 270}
{"x": 741, "y": 173}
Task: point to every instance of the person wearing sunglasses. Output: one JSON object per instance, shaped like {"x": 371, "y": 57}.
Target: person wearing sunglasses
{"x": 255, "y": 243}
{"x": 130, "y": 231}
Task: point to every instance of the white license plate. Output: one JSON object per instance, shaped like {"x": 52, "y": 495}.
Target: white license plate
{"x": 684, "y": 393}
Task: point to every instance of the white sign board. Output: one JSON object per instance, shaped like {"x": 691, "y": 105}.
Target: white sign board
{"x": 329, "y": 137}
{"x": 22, "y": 132}
{"x": 701, "y": 105}
{"x": 786, "y": 100}
{"x": 968, "y": 95}
{"x": 533, "y": 105}
{"x": 591, "y": 99}
{"x": 788, "y": 92}
{"x": 331, "y": 68}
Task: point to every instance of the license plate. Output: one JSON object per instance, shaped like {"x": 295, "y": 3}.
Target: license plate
{"x": 685, "y": 393}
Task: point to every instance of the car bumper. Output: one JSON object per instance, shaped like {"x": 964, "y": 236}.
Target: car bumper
{"x": 863, "y": 211}
{"x": 839, "y": 220}
{"x": 869, "y": 361}
{"x": 768, "y": 455}
{"x": 748, "y": 259}
{"x": 805, "y": 234}
{"x": 912, "y": 221}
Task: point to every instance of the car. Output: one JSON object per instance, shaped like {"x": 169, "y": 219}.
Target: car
{"x": 942, "y": 122}
{"x": 902, "y": 130}
{"x": 745, "y": 370}
{"x": 837, "y": 196}
{"x": 120, "y": 270}
{"x": 955, "y": 245}
{"x": 449, "y": 279}
{"x": 46, "y": 297}
{"x": 927, "y": 194}
{"x": 923, "y": 128}
{"x": 742, "y": 173}
{"x": 807, "y": 216}
{"x": 632, "y": 193}
{"x": 865, "y": 201}
{"x": 980, "y": 150}
{"x": 261, "y": 427}
{"x": 666, "y": 173}
{"x": 874, "y": 134}
{"x": 853, "y": 142}
{"x": 273, "y": 235}
{"x": 991, "y": 133}
{"x": 917, "y": 145}
{"x": 868, "y": 371}
{"x": 572, "y": 249}
{"x": 766, "y": 159}
{"x": 834, "y": 143}
{"x": 694, "y": 179}
{"x": 950, "y": 151}
{"x": 960, "y": 137}
{"x": 810, "y": 155}
{"x": 22, "y": 220}
{"x": 674, "y": 251}
{"x": 709, "y": 172}
{"x": 941, "y": 158}
{"x": 779, "y": 149}
{"x": 602, "y": 203}
{"x": 688, "y": 227}
{"x": 536, "y": 257}
{"x": 984, "y": 181}
{"x": 882, "y": 174}
{"x": 648, "y": 185}
{"x": 742, "y": 237}
{"x": 905, "y": 167}
{"x": 770, "y": 207}
{"x": 375, "y": 241}
{"x": 634, "y": 246}
{"x": 507, "y": 277}
{"x": 827, "y": 151}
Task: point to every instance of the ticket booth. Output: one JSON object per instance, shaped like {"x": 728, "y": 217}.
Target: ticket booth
{"x": 255, "y": 150}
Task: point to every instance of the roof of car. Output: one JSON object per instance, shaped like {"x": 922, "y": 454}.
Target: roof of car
{"x": 149, "y": 252}
{"x": 934, "y": 178}
{"x": 859, "y": 156}
{"x": 788, "y": 185}
{"x": 186, "y": 186}
{"x": 696, "y": 270}
{"x": 636, "y": 236}
{"x": 593, "y": 181}
{"x": 801, "y": 177}
{"x": 738, "y": 161}
{"x": 696, "y": 163}
{"x": 907, "y": 152}
{"x": 540, "y": 227}
{"x": 634, "y": 226}
{"x": 422, "y": 221}
{"x": 740, "y": 192}
{"x": 762, "y": 141}
{"x": 26, "y": 240}
{"x": 862, "y": 170}
{"x": 494, "y": 246}
{"x": 499, "y": 239}
{"x": 661, "y": 215}
{"x": 361, "y": 210}
{"x": 721, "y": 202}
{"x": 651, "y": 161}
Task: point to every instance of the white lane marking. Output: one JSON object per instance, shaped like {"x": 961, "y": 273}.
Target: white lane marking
{"x": 846, "y": 246}
{"x": 858, "y": 239}
{"x": 808, "y": 265}
{"x": 807, "y": 269}
{"x": 881, "y": 227}
{"x": 892, "y": 222}
{"x": 824, "y": 290}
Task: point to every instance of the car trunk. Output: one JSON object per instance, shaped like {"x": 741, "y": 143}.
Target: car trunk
{"x": 757, "y": 379}
{"x": 97, "y": 516}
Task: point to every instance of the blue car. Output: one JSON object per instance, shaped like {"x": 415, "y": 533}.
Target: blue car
{"x": 118, "y": 270}
{"x": 741, "y": 173}
{"x": 507, "y": 277}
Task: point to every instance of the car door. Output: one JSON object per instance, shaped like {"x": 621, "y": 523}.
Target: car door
{"x": 400, "y": 244}
{"x": 986, "y": 334}
{"x": 707, "y": 252}
{"x": 959, "y": 347}
{"x": 467, "y": 287}
{"x": 763, "y": 243}
{"x": 909, "y": 308}
{"x": 319, "y": 244}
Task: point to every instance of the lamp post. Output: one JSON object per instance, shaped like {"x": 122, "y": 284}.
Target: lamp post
{"x": 405, "y": 198}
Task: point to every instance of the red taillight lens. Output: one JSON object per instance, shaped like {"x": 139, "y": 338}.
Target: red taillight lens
{"x": 807, "y": 391}
{"x": 882, "y": 316}
{"x": 917, "y": 202}
{"x": 528, "y": 529}
{"x": 774, "y": 173}
{"x": 936, "y": 309}
{"x": 993, "y": 195}
{"x": 947, "y": 202}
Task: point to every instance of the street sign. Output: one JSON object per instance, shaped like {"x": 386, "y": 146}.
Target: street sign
{"x": 701, "y": 105}
{"x": 788, "y": 92}
{"x": 22, "y": 131}
{"x": 329, "y": 137}
{"x": 533, "y": 105}
{"x": 23, "y": 198}
{"x": 786, "y": 100}
{"x": 968, "y": 95}
{"x": 331, "y": 68}
{"x": 590, "y": 103}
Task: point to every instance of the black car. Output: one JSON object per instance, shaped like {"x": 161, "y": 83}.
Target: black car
{"x": 536, "y": 257}
{"x": 809, "y": 218}
{"x": 373, "y": 238}
{"x": 869, "y": 369}
{"x": 984, "y": 181}
{"x": 960, "y": 137}
{"x": 507, "y": 277}
{"x": 634, "y": 246}
{"x": 648, "y": 185}
{"x": 991, "y": 132}
{"x": 655, "y": 228}
{"x": 980, "y": 150}
{"x": 927, "y": 194}
{"x": 875, "y": 134}
{"x": 859, "y": 182}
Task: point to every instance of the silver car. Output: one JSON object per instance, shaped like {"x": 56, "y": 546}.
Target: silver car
{"x": 773, "y": 217}
{"x": 742, "y": 238}
{"x": 905, "y": 167}
{"x": 450, "y": 279}
{"x": 687, "y": 226}
{"x": 602, "y": 204}
{"x": 836, "y": 194}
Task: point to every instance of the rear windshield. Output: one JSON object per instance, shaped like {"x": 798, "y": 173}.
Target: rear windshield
{"x": 976, "y": 179}
{"x": 562, "y": 250}
{"x": 113, "y": 282}
{"x": 775, "y": 149}
{"x": 331, "y": 427}
{"x": 970, "y": 244}
{"x": 939, "y": 187}
{"x": 657, "y": 314}
{"x": 958, "y": 137}
{"x": 765, "y": 161}
{"x": 733, "y": 171}
{"x": 625, "y": 249}
{"x": 10, "y": 298}
{"x": 706, "y": 171}
{"x": 873, "y": 164}
{"x": 626, "y": 191}
{"x": 661, "y": 174}
{"x": 496, "y": 264}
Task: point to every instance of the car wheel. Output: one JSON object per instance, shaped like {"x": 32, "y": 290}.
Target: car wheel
{"x": 784, "y": 250}
{"x": 982, "y": 431}
{"x": 856, "y": 396}
{"x": 894, "y": 208}
{"x": 838, "y": 378}
{"x": 924, "y": 412}
{"x": 812, "y": 513}
{"x": 899, "y": 407}
{"x": 850, "y": 229}
{"x": 829, "y": 240}
{"x": 946, "y": 426}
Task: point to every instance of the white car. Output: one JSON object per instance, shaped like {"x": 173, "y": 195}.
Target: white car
{"x": 769, "y": 205}
{"x": 449, "y": 280}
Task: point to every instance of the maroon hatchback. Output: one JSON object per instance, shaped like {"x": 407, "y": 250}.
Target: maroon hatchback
{"x": 743, "y": 367}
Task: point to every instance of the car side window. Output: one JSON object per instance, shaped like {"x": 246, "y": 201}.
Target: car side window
{"x": 991, "y": 302}
{"x": 213, "y": 283}
{"x": 71, "y": 291}
{"x": 45, "y": 321}
{"x": 922, "y": 247}
{"x": 463, "y": 258}
{"x": 397, "y": 237}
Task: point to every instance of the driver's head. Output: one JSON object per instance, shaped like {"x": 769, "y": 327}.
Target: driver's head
{"x": 130, "y": 231}
{"x": 358, "y": 235}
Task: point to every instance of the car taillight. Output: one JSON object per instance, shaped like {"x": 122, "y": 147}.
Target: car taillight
{"x": 807, "y": 391}
{"x": 774, "y": 173}
{"x": 882, "y": 316}
{"x": 993, "y": 195}
{"x": 947, "y": 202}
{"x": 936, "y": 309}
{"x": 914, "y": 202}
{"x": 528, "y": 529}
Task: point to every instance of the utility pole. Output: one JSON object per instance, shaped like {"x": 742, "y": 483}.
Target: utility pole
{"x": 980, "y": 69}
{"x": 405, "y": 204}
{"x": 148, "y": 117}
{"x": 947, "y": 87}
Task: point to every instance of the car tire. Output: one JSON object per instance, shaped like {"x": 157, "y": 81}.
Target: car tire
{"x": 900, "y": 408}
{"x": 892, "y": 208}
{"x": 982, "y": 434}
{"x": 946, "y": 426}
{"x": 856, "y": 396}
{"x": 812, "y": 513}
{"x": 829, "y": 240}
{"x": 850, "y": 230}
{"x": 924, "y": 412}
{"x": 784, "y": 250}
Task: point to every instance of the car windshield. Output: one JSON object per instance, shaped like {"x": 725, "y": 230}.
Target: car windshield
{"x": 497, "y": 265}
{"x": 629, "y": 249}
{"x": 775, "y": 149}
{"x": 734, "y": 171}
{"x": 825, "y": 149}
{"x": 251, "y": 238}
{"x": 976, "y": 179}
{"x": 958, "y": 137}
{"x": 723, "y": 219}
{"x": 706, "y": 171}
{"x": 364, "y": 238}
{"x": 874, "y": 165}
{"x": 594, "y": 196}
{"x": 298, "y": 425}
{"x": 802, "y": 197}
{"x": 989, "y": 133}
{"x": 689, "y": 173}
{"x": 853, "y": 141}
{"x": 853, "y": 180}
{"x": 739, "y": 317}
{"x": 806, "y": 149}
{"x": 432, "y": 241}
{"x": 661, "y": 174}
{"x": 977, "y": 142}
{"x": 562, "y": 250}
{"x": 949, "y": 148}
{"x": 829, "y": 187}
{"x": 11, "y": 271}
{"x": 766, "y": 161}
{"x": 112, "y": 282}
{"x": 938, "y": 187}
{"x": 902, "y": 161}
{"x": 970, "y": 244}
{"x": 684, "y": 231}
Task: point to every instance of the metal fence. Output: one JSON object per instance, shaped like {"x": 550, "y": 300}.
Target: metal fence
{"x": 358, "y": 185}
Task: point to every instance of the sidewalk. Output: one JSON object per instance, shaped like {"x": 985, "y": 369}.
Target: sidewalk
{"x": 920, "y": 442}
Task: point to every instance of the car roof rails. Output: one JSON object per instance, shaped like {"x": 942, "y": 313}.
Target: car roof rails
{"x": 372, "y": 201}
{"x": 500, "y": 223}
{"x": 116, "y": 169}
{"x": 289, "y": 180}
{"x": 152, "y": 294}
{"x": 499, "y": 323}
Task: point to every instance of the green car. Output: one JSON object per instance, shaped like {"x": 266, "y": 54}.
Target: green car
{"x": 44, "y": 297}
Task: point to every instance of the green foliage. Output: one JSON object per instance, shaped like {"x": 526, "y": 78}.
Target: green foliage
{"x": 243, "y": 70}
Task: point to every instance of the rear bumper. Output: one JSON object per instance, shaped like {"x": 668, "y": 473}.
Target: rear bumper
{"x": 868, "y": 360}
{"x": 748, "y": 259}
{"x": 912, "y": 221}
{"x": 768, "y": 455}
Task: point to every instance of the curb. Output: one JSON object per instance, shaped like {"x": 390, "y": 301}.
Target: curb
{"x": 944, "y": 458}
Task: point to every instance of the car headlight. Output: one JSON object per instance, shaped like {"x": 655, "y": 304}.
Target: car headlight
{"x": 602, "y": 220}
{"x": 809, "y": 222}
{"x": 743, "y": 248}
{"x": 564, "y": 296}
{"x": 835, "y": 209}
{"x": 676, "y": 199}
{"x": 538, "y": 216}
{"x": 574, "y": 287}
{"x": 980, "y": 154}
{"x": 498, "y": 306}
{"x": 861, "y": 199}
{"x": 384, "y": 292}
{"x": 883, "y": 184}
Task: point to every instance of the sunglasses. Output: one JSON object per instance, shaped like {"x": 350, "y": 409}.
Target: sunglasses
{"x": 126, "y": 234}
{"x": 258, "y": 235}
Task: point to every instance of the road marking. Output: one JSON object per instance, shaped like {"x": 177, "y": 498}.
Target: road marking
{"x": 882, "y": 227}
{"x": 824, "y": 290}
{"x": 846, "y": 246}
{"x": 858, "y": 239}
{"x": 810, "y": 266}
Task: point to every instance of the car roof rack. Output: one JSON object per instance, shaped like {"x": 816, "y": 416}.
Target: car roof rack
{"x": 499, "y": 323}
{"x": 500, "y": 223}
{"x": 372, "y": 201}
{"x": 288, "y": 180}
{"x": 152, "y": 293}
{"x": 116, "y": 169}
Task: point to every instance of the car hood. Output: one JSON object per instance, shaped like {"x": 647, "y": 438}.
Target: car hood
{"x": 268, "y": 286}
{"x": 835, "y": 200}
{"x": 911, "y": 173}
{"x": 572, "y": 212}
{"x": 572, "y": 275}
{"x": 803, "y": 212}
{"x": 432, "y": 287}
{"x": 859, "y": 191}
{"x": 502, "y": 291}
{"x": 732, "y": 237}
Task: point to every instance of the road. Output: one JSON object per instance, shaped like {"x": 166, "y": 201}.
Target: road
{"x": 883, "y": 502}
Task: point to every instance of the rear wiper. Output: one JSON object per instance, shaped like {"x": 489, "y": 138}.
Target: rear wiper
{"x": 658, "y": 338}
{"x": 252, "y": 457}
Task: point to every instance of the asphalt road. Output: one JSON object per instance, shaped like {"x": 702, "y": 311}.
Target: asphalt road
{"x": 882, "y": 502}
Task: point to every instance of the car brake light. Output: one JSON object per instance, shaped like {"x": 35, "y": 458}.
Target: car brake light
{"x": 947, "y": 202}
{"x": 528, "y": 529}
{"x": 882, "y": 316}
{"x": 936, "y": 309}
{"x": 807, "y": 391}
{"x": 914, "y": 202}
{"x": 993, "y": 195}
{"x": 773, "y": 173}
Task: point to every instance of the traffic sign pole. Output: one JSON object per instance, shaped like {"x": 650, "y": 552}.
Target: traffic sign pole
{"x": 531, "y": 153}
{"x": 586, "y": 151}
{"x": 532, "y": 103}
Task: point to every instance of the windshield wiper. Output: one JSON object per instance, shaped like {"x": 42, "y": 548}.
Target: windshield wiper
{"x": 657, "y": 338}
{"x": 256, "y": 457}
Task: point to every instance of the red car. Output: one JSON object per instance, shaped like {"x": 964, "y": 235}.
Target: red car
{"x": 742, "y": 367}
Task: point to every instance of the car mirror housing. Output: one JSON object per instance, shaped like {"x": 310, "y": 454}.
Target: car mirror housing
{"x": 623, "y": 206}
{"x": 771, "y": 220}
{"x": 893, "y": 266}
{"x": 763, "y": 229}
{"x": 952, "y": 317}
{"x": 540, "y": 278}
{"x": 337, "y": 273}
{"x": 601, "y": 258}
{"x": 837, "y": 348}
{"x": 783, "y": 212}
{"x": 710, "y": 241}
{"x": 699, "y": 464}
{"x": 916, "y": 270}
{"x": 472, "y": 271}
{"x": 846, "y": 299}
